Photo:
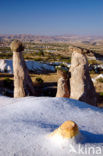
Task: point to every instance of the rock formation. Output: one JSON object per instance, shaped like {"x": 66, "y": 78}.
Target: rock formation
{"x": 63, "y": 84}
{"x": 23, "y": 85}
{"x": 81, "y": 84}
{"x": 67, "y": 130}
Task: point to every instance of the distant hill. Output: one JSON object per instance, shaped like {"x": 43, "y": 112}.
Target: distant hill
{"x": 59, "y": 38}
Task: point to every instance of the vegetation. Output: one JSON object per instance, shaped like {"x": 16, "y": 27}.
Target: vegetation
{"x": 41, "y": 53}
{"x": 101, "y": 94}
{"x": 92, "y": 61}
{"x": 4, "y": 49}
{"x": 6, "y": 55}
{"x": 39, "y": 80}
{"x": 63, "y": 68}
{"x": 92, "y": 72}
{"x": 8, "y": 82}
{"x": 100, "y": 80}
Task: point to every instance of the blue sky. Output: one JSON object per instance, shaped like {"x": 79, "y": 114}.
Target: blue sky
{"x": 51, "y": 17}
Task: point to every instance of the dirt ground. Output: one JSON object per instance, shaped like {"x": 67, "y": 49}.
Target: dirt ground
{"x": 50, "y": 83}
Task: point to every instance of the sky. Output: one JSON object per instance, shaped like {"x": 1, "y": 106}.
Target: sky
{"x": 51, "y": 17}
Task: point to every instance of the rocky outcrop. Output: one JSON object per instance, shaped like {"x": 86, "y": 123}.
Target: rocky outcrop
{"x": 81, "y": 84}
{"x": 63, "y": 84}
{"x": 23, "y": 85}
{"x": 67, "y": 130}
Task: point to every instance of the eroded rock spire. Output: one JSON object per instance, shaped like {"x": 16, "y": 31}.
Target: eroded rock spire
{"x": 23, "y": 85}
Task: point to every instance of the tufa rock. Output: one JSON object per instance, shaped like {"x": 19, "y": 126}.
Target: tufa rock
{"x": 23, "y": 85}
{"x": 17, "y": 46}
{"x": 63, "y": 84}
{"x": 81, "y": 84}
{"x": 67, "y": 130}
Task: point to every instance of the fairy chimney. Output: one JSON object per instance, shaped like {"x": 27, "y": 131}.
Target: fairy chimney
{"x": 81, "y": 85}
{"x": 23, "y": 85}
{"x": 63, "y": 83}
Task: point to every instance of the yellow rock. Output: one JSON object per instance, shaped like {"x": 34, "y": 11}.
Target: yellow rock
{"x": 68, "y": 129}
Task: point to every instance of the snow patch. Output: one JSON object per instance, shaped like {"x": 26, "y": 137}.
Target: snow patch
{"x": 7, "y": 66}
{"x": 25, "y": 124}
{"x": 98, "y": 77}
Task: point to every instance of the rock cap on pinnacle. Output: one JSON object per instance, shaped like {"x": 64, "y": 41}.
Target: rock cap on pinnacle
{"x": 16, "y": 46}
{"x": 77, "y": 49}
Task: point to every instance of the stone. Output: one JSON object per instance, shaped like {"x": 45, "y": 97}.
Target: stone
{"x": 63, "y": 84}
{"x": 81, "y": 85}
{"x": 67, "y": 130}
{"x": 17, "y": 46}
{"x": 23, "y": 85}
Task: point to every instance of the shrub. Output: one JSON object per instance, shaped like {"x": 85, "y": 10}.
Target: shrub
{"x": 5, "y": 55}
{"x": 39, "y": 80}
{"x": 92, "y": 72}
{"x": 62, "y": 67}
{"x": 92, "y": 61}
{"x": 100, "y": 80}
{"x": 8, "y": 82}
{"x": 41, "y": 53}
{"x": 101, "y": 94}
{"x": 59, "y": 57}
{"x": 5, "y": 70}
{"x": 38, "y": 59}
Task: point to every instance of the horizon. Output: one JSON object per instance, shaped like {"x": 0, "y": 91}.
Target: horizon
{"x": 68, "y": 35}
{"x": 52, "y": 18}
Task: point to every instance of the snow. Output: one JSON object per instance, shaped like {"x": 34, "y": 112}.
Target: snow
{"x": 99, "y": 76}
{"x": 59, "y": 63}
{"x": 25, "y": 125}
{"x": 6, "y": 66}
{"x": 98, "y": 66}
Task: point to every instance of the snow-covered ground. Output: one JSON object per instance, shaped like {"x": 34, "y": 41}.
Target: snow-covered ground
{"x": 26, "y": 122}
{"x": 6, "y": 66}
